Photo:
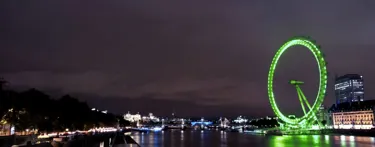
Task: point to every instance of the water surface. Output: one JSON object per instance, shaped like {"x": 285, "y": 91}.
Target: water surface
{"x": 192, "y": 138}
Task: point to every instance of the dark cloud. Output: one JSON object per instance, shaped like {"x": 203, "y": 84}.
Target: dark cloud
{"x": 205, "y": 53}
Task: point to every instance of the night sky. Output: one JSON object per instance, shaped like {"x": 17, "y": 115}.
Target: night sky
{"x": 196, "y": 58}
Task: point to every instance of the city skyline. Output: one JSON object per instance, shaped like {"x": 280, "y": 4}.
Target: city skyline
{"x": 183, "y": 58}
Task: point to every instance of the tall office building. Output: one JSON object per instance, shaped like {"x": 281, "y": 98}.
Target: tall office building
{"x": 349, "y": 88}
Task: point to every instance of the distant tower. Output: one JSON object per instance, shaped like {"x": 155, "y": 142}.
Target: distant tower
{"x": 349, "y": 88}
{"x": 173, "y": 113}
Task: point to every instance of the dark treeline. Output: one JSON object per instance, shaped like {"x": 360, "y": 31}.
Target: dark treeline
{"x": 33, "y": 109}
{"x": 264, "y": 123}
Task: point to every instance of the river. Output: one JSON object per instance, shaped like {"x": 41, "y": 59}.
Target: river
{"x": 191, "y": 138}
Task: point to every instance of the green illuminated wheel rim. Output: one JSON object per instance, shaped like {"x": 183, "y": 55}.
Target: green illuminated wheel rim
{"x": 311, "y": 114}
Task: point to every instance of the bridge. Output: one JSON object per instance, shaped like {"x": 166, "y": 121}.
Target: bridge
{"x": 204, "y": 123}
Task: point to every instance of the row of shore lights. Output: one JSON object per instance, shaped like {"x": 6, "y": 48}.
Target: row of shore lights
{"x": 94, "y": 109}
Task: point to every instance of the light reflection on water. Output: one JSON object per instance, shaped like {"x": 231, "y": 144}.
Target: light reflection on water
{"x": 187, "y": 138}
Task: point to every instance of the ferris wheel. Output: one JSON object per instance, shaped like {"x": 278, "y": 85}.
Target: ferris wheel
{"x": 311, "y": 111}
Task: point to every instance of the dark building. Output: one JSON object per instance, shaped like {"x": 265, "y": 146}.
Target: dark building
{"x": 323, "y": 116}
{"x": 349, "y": 88}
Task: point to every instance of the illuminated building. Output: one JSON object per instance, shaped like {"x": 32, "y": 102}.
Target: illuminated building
{"x": 224, "y": 122}
{"x": 132, "y": 118}
{"x": 150, "y": 117}
{"x": 137, "y": 117}
{"x": 240, "y": 119}
{"x": 358, "y": 115}
{"x": 349, "y": 88}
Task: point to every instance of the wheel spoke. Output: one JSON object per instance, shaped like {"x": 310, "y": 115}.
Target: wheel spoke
{"x": 308, "y": 105}
{"x": 300, "y": 100}
{"x": 304, "y": 98}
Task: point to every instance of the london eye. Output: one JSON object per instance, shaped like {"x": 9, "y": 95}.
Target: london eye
{"x": 310, "y": 111}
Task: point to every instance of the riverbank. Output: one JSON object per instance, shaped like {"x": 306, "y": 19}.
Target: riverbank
{"x": 370, "y": 132}
{"x": 102, "y": 139}
{"x": 7, "y": 141}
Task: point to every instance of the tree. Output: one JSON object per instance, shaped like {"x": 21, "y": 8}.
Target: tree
{"x": 122, "y": 122}
{"x": 24, "y": 120}
{"x": 2, "y": 83}
{"x": 35, "y": 109}
{"x": 5, "y": 103}
{"x": 324, "y": 122}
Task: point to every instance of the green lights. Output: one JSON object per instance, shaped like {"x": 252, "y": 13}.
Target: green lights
{"x": 307, "y": 120}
